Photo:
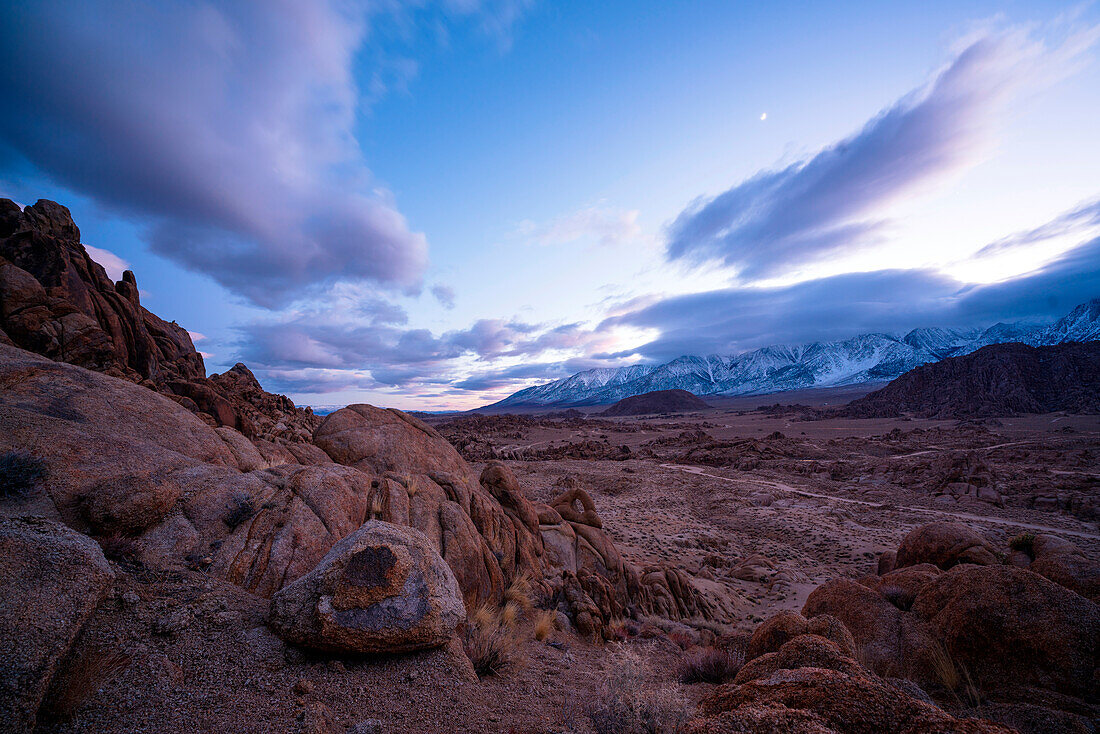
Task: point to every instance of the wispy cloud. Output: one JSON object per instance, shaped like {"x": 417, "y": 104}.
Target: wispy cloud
{"x": 602, "y": 225}
{"x": 778, "y": 220}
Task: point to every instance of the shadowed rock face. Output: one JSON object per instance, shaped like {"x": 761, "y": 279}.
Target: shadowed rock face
{"x": 51, "y": 579}
{"x": 658, "y": 401}
{"x": 1001, "y": 379}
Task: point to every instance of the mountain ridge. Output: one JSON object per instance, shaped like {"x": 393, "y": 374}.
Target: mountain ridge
{"x": 864, "y": 358}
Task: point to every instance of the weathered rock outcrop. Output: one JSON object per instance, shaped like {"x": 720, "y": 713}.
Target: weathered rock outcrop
{"x": 382, "y": 589}
{"x": 51, "y": 580}
{"x": 216, "y": 473}
{"x": 1016, "y": 634}
{"x": 809, "y": 684}
{"x": 58, "y": 302}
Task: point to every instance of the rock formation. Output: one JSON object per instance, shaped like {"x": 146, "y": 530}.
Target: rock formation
{"x": 1014, "y": 633}
{"x": 806, "y": 683}
{"x": 58, "y": 302}
{"x": 216, "y": 473}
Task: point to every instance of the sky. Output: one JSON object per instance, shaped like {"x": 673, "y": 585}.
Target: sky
{"x": 431, "y": 205}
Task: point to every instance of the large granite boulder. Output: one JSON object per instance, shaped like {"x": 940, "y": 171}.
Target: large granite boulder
{"x": 382, "y": 589}
{"x": 51, "y": 580}
{"x": 944, "y": 544}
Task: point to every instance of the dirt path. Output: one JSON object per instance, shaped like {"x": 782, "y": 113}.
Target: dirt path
{"x": 698, "y": 471}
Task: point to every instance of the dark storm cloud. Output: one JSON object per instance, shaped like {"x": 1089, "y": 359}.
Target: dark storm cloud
{"x": 780, "y": 219}
{"x": 228, "y": 128}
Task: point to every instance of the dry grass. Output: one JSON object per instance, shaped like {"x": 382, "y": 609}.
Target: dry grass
{"x": 616, "y": 630}
{"x": 510, "y": 614}
{"x": 119, "y": 547}
{"x": 491, "y": 645}
{"x": 626, "y": 704}
{"x": 710, "y": 665}
{"x": 545, "y": 622}
{"x": 953, "y": 676}
{"x": 89, "y": 672}
{"x": 519, "y": 592}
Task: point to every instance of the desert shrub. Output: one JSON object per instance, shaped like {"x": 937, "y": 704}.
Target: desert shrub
{"x": 899, "y": 597}
{"x": 626, "y": 704}
{"x": 545, "y": 622}
{"x": 89, "y": 672}
{"x": 489, "y": 643}
{"x": 710, "y": 665}
{"x": 1024, "y": 542}
{"x": 241, "y": 508}
{"x": 119, "y": 547}
{"x": 19, "y": 473}
{"x": 616, "y": 630}
{"x": 682, "y": 639}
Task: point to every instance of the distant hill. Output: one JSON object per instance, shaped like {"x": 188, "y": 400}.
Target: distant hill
{"x": 866, "y": 358}
{"x": 1001, "y": 379}
{"x": 658, "y": 401}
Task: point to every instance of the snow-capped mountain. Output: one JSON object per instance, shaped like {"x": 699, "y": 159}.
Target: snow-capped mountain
{"x": 864, "y": 358}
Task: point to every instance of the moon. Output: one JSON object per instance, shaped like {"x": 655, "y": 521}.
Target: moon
{"x": 763, "y": 116}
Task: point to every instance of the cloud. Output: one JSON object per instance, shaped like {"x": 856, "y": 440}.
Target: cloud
{"x": 228, "y": 128}
{"x": 112, "y": 263}
{"x": 1081, "y": 219}
{"x": 445, "y": 295}
{"x": 734, "y": 320}
{"x": 606, "y": 226}
{"x": 779, "y": 219}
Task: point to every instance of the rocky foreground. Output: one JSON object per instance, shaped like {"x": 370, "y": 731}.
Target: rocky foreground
{"x": 193, "y": 553}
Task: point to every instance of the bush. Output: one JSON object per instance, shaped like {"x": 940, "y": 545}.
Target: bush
{"x": 94, "y": 668}
{"x": 626, "y": 705}
{"x": 489, "y": 643}
{"x": 710, "y": 665}
{"x": 241, "y": 508}
{"x": 19, "y": 473}
{"x": 1024, "y": 542}
{"x": 119, "y": 547}
{"x": 899, "y": 597}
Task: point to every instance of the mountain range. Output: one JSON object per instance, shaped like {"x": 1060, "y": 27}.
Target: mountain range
{"x": 865, "y": 358}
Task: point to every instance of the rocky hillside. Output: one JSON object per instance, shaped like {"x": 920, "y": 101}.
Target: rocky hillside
{"x": 1001, "y": 379}
{"x": 658, "y": 401}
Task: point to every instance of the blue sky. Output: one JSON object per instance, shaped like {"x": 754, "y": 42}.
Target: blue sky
{"x": 432, "y": 205}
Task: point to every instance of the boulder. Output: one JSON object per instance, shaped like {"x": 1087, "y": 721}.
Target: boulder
{"x": 1009, "y": 626}
{"x": 809, "y": 685}
{"x": 51, "y": 580}
{"x": 1065, "y": 564}
{"x": 780, "y": 628}
{"x": 382, "y": 589}
{"x": 944, "y": 544}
